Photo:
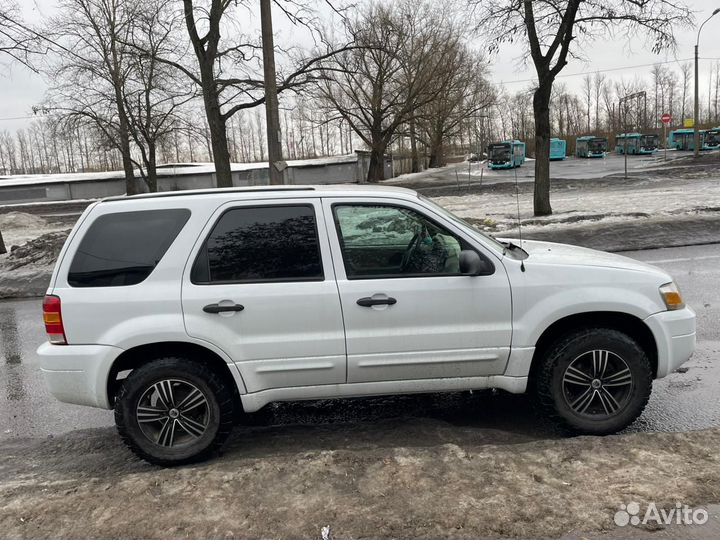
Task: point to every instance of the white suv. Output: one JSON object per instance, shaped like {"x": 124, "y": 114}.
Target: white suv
{"x": 184, "y": 310}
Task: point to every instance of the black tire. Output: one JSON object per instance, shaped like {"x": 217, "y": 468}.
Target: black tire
{"x": 190, "y": 383}
{"x": 561, "y": 392}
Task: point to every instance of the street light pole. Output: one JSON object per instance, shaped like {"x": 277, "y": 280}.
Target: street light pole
{"x": 696, "y": 122}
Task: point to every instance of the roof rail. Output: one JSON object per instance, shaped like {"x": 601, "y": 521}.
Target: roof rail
{"x": 180, "y": 193}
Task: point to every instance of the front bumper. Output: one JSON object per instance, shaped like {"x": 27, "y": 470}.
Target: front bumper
{"x": 78, "y": 373}
{"x": 674, "y": 333}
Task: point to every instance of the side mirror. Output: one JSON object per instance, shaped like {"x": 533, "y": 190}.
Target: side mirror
{"x": 471, "y": 264}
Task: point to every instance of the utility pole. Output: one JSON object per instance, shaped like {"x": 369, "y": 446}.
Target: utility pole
{"x": 696, "y": 122}
{"x": 696, "y": 134}
{"x": 272, "y": 108}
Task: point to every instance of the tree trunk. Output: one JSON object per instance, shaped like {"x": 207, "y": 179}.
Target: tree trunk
{"x": 376, "y": 170}
{"x": 151, "y": 167}
{"x": 541, "y": 108}
{"x": 437, "y": 154}
{"x": 415, "y": 160}
{"x": 218, "y": 137}
{"x": 131, "y": 185}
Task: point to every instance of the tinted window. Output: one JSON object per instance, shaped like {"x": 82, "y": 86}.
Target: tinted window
{"x": 124, "y": 248}
{"x": 390, "y": 241}
{"x": 277, "y": 243}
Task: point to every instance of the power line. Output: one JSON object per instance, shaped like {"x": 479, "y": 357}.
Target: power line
{"x": 609, "y": 70}
{"x": 18, "y": 118}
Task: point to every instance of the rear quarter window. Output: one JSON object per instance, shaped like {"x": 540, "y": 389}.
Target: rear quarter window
{"x": 124, "y": 248}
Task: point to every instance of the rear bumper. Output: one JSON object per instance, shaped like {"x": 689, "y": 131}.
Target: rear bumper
{"x": 674, "y": 333}
{"x": 78, "y": 373}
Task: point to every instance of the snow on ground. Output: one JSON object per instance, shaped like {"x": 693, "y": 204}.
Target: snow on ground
{"x": 26, "y": 269}
{"x": 19, "y": 227}
{"x": 422, "y": 174}
{"x": 400, "y": 478}
{"x": 579, "y": 202}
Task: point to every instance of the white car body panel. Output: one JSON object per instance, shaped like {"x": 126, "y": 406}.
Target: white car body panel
{"x": 441, "y": 326}
{"x": 289, "y": 334}
{"x": 308, "y": 340}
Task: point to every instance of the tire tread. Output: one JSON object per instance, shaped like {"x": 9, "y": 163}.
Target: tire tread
{"x": 223, "y": 395}
{"x": 542, "y": 389}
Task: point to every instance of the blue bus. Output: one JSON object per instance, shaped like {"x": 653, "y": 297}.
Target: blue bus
{"x": 558, "y": 149}
{"x": 506, "y": 154}
{"x": 712, "y": 139}
{"x": 590, "y": 146}
{"x": 684, "y": 139}
{"x": 636, "y": 143}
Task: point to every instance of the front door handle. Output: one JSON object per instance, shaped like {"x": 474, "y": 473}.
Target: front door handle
{"x": 217, "y": 308}
{"x": 370, "y": 302}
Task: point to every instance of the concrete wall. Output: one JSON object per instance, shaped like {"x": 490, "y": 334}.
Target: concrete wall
{"x": 39, "y": 188}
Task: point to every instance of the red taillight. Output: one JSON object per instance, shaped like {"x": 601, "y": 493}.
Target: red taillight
{"x": 52, "y": 317}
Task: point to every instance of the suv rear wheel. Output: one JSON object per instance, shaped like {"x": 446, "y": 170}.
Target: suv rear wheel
{"x": 594, "y": 381}
{"x": 174, "y": 411}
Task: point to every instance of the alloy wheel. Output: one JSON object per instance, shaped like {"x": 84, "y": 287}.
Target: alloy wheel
{"x": 597, "y": 384}
{"x": 173, "y": 412}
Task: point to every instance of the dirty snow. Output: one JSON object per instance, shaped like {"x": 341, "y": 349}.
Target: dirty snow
{"x": 404, "y": 478}
{"x": 26, "y": 269}
{"x": 20, "y": 227}
{"x": 574, "y": 202}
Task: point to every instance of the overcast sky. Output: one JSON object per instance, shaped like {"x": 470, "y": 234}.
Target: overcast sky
{"x": 20, "y": 89}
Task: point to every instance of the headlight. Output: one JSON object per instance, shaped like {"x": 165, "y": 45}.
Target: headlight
{"x": 671, "y": 296}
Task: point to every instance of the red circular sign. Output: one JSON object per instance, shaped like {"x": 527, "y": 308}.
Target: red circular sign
{"x": 666, "y": 118}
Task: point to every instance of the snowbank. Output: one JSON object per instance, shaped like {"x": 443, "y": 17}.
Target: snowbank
{"x": 20, "y": 227}
{"x": 25, "y": 271}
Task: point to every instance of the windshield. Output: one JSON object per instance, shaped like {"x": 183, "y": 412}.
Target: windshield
{"x": 598, "y": 145}
{"x": 500, "y": 152}
{"x": 649, "y": 141}
{"x": 464, "y": 225}
{"x": 712, "y": 138}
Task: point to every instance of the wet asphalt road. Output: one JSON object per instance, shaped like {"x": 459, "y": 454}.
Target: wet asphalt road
{"x": 576, "y": 169}
{"x": 682, "y": 401}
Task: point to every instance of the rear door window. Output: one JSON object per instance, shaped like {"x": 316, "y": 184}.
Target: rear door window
{"x": 259, "y": 244}
{"x": 125, "y": 247}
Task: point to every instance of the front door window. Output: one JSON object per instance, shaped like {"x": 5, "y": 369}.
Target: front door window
{"x": 391, "y": 241}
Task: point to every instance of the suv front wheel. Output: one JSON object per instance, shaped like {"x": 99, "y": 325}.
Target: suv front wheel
{"x": 594, "y": 381}
{"x": 174, "y": 411}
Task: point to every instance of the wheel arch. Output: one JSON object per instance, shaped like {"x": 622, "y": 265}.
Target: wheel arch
{"x": 140, "y": 355}
{"x": 628, "y": 324}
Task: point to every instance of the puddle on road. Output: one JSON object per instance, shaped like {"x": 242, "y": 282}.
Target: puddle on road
{"x": 11, "y": 352}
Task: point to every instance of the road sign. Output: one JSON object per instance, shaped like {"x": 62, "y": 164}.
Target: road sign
{"x": 666, "y": 118}
{"x": 689, "y": 123}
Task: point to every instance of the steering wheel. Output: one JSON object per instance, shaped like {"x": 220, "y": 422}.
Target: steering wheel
{"x": 411, "y": 248}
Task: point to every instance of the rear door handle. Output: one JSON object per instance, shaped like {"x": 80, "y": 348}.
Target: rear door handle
{"x": 370, "y": 302}
{"x": 216, "y": 308}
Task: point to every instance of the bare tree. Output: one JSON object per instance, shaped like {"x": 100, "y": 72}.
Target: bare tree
{"x": 463, "y": 93}
{"x": 227, "y": 70}
{"x": 552, "y": 28}
{"x": 598, "y": 86}
{"x": 93, "y": 68}
{"x": 18, "y": 42}
{"x": 686, "y": 74}
{"x": 152, "y": 98}
{"x": 390, "y": 75}
{"x": 587, "y": 94}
